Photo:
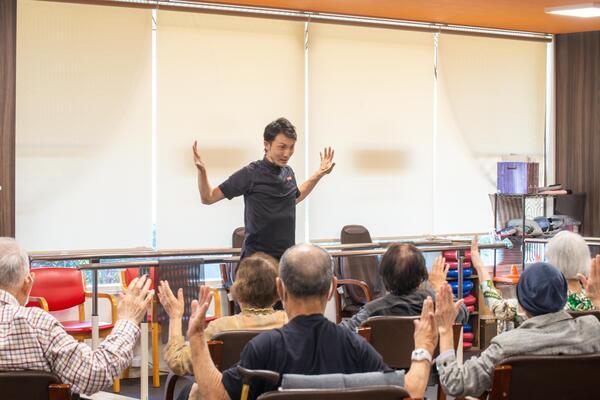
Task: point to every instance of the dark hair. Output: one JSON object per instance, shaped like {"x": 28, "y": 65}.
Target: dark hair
{"x": 254, "y": 284}
{"x": 280, "y": 125}
{"x": 306, "y": 271}
{"x": 403, "y": 269}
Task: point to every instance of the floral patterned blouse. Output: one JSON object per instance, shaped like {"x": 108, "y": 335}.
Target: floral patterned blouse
{"x": 578, "y": 301}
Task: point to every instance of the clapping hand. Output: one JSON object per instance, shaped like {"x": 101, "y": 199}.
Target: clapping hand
{"x": 426, "y": 335}
{"x": 446, "y": 309}
{"x": 437, "y": 276}
{"x": 174, "y": 306}
{"x": 199, "y": 309}
{"x": 135, "y": 302}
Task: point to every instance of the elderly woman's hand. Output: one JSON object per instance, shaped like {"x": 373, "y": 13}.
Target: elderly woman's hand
{"x": 426, "y": 336}
{"x": 592, "y": 283}
{"x": 446, "y": 309}
{"x": 437, "y": 276}
{"x": 174, "y": 306}
{"x": 198, "y": 317}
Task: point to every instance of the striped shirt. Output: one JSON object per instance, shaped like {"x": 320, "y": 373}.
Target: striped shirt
{"x": 32, "y": 339}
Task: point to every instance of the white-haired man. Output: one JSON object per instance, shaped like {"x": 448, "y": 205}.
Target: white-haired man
{"x": 32, "y": 339}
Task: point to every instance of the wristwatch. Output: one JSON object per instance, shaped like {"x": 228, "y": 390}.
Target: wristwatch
{"x": 421, "y": 355}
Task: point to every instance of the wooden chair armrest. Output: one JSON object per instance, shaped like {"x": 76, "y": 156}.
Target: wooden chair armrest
{"x": 43, "y": 304}
{"x": 365, "y": 332}
{"x": 360, "y": 284}
{"x": 59, "y": 391}
{"x": 109, "y": 297}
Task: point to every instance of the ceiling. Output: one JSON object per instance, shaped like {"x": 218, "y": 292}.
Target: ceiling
{"x": 522, "y": 15}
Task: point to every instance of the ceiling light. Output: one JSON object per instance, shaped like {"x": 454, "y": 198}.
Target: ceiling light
{"x": 587, "y": 10}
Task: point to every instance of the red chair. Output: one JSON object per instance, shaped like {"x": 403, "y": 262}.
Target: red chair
{"x": 57, "y": 289}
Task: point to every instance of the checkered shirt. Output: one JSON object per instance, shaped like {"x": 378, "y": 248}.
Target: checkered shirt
{"x": 32, "y": 339}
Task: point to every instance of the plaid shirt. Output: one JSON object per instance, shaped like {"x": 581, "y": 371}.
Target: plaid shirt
{"x": 32, "y": 339}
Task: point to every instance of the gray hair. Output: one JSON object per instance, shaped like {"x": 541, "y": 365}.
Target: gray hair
{"x": 14, "y": 263}
{"x": 569, "y": 252}
{"x": 306, "y": 271}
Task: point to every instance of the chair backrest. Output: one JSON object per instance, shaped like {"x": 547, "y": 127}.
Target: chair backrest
{"x": 546, "y": 377}
{"x": 238, "y": 236}
{"x": 372, "y": 392}
{"x": 396, "y": 330}
{"x": 364, "y": 268}
{"x": 572, "y": 205}
{"x": 399, "y": 331}
{"x": 130, "y": 274}
{"x": 32, "y": 385}
{"x": 233, "y": 344}
{"x": 61, "y": 287}
{"x": 577, "y": 314}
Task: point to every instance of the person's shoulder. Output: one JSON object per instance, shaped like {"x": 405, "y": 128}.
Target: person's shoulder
{"x": 35, "y": 317}
{"x": 587, "y": 322}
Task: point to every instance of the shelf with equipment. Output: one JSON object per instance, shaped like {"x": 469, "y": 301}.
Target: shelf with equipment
{"x": 508, "y": 207}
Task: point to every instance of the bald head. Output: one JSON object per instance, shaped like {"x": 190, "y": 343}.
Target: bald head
{"x": 306, "y": 270}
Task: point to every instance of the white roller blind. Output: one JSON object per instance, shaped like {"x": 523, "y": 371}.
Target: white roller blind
{"x": 371, "y": 97}
{"x": 83, "y": 168}
{"x": 221, "y": 80}
{"x": 491, "y": 97}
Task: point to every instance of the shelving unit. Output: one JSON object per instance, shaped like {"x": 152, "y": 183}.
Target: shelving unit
{"x": 542, "y": 210}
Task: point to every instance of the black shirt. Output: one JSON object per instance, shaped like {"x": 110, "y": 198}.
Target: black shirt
{"x": 270, "y": 194}
{"x": 309, "y": 345}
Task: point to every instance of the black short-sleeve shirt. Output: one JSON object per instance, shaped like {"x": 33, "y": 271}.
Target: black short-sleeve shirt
{"x": 270, "y": 194}
{"x": 308, "y": 344}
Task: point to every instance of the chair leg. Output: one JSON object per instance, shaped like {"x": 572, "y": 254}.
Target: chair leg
{"x": 440, "y": 394}
{"x": 126, "y": 373}
{"x": 117, "y": 385}
{"x": 155, "y": 356}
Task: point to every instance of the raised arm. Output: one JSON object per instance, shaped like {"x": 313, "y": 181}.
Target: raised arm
{"x": 87, "y": 370}
{"x": 325, "y": 168}
{"x": 500, "y": 307}
{"x": 426, "y": 338}
{"x": 177, "y": 353}
{"x": 592, "y": 283}
{"x": 208, "y": 194}
{"x": 207, "y": 375}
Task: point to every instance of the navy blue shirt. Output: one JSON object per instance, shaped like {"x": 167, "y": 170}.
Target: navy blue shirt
{"x": 308, "y": 344}
{"x": 270, "y": 194}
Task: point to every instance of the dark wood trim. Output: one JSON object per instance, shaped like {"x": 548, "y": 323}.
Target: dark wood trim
{"x": 578, "y": 120}
{"x": 8, "y": 46}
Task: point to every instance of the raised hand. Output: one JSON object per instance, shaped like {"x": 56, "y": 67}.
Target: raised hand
{"x": 446, "y": 309}
{"x": 426, "y": 335}
{"x": 198, "y": 317}
{"x": 135, "y": 302}
{"x": 437, "y": 276}
{"x": 327, "y": 163}
{"x": 197, "y": 159}
{"x": 174, "y": 306}
{"x": 591, "y": 284}
{"x": 475, "y": 256}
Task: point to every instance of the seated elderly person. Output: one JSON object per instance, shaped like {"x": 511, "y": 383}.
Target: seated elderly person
{"x": 407, "y": 283}
{"x": 309, "y": 344}
{"x": 32, "y": 339}
{"x": 548, "y": 330}
{"x": 567, "y": 251}
{"x": 254, "y": 290}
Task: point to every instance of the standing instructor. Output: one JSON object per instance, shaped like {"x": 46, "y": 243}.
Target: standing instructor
{"x": 269, "y": 189}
